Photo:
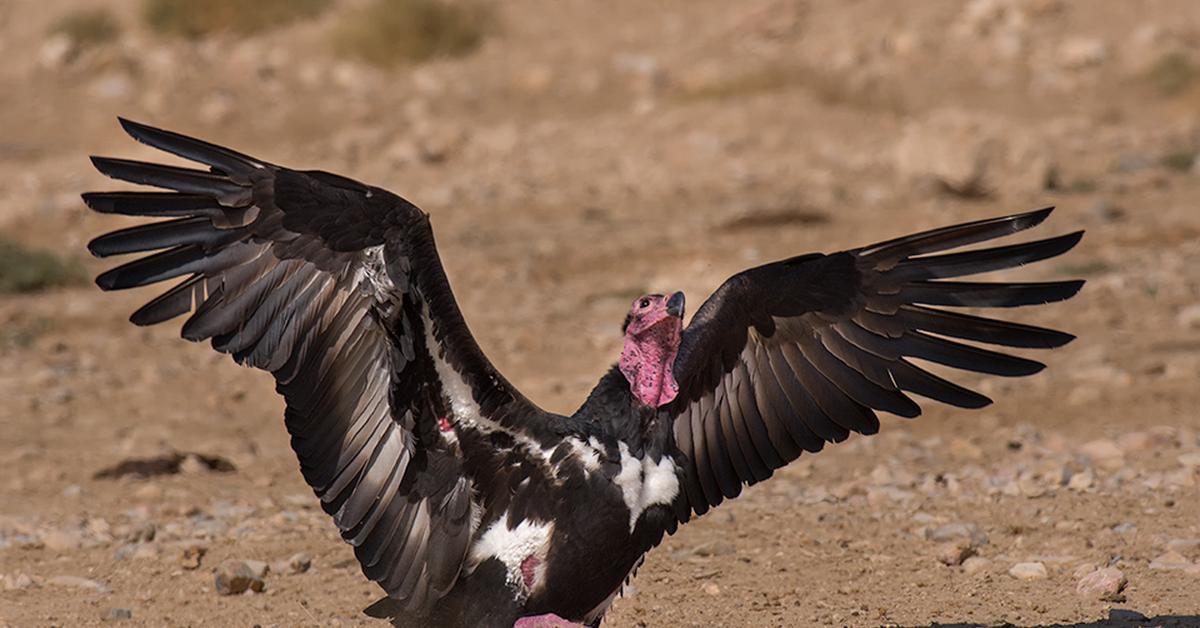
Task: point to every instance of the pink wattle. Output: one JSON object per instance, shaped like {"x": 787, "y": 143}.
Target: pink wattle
{"x": 646, "y": 362}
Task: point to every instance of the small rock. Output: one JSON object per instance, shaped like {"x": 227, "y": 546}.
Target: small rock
{"x": 1184, "y": 546}
{"x": 192, "y": 465}
{"x": 965, "y": 449}
{"x": 17, "y": 581}
{"x": 143, "y": 532}
{"x": 1105, "y": 584}
{"x": 258, "y": 568}
{"x": 953, "y": 554}
{"x": 137, "y": 551}
{"x": 1081, "y": 481}
{"x": 1135, "y": 441}
{"x": 1028, "y": 571}
{"x": 297, "y": 563}
{"x": 190, "y": 556}
{"x": 62, "y": 540}
{"x": 955, "y": 531}
{"x": 716, "y": 548}
{"x": 1189, "y": 317}
{"x": 1083, "y": 570}
{"x": 148, "y": 492}
{"x": 1190, "y": 460}
{"x": 1171, "y": 560}
{"x": 235, "y": 576}
{"x": 56, "y": 51}
{"x": 118, "y": 614}
{"x": 76, "y": 581}
{"x": 1082, "y": 52}
{"x": 1125, "y": 527}
{"x": 112, "y": 86}
{"x": 711, "y": 589}
{"x": 975, "y": 564}
{"x": 1104, "y": 453}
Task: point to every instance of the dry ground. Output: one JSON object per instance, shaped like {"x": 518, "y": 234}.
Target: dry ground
{"x": 589, "y": 152}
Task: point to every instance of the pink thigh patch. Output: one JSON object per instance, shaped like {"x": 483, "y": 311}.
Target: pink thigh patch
{"x": 549, "y": 620}
{"x": 529, "y": 570}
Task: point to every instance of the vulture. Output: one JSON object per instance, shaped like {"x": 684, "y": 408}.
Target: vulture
{"x": 463, "y": 500}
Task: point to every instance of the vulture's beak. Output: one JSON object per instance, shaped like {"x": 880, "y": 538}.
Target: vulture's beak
{"x": 675, "y": 305}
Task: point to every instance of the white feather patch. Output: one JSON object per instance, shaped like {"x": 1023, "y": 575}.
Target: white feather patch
{"x": 588, "y": 453}
{"x": 644, "y": 483}
{"x": 513, "y": 547}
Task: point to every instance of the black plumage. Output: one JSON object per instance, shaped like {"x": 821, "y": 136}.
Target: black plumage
{"x": 467, "y": 503}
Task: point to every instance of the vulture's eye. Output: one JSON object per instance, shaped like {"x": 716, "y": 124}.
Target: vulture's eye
{"x": 644, "y": 304}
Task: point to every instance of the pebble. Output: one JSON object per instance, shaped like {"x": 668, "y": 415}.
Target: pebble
{"x": 258, "y": 568}
{"x": 975, "y": 564}
{"x": 719, "y": 547}
{"x": 1135, "y": 441}
{"x": 711, "y": 589}
{"x": 191, "y": 555}
{"x": 296, "y": 563}
{"x": 953, "y": 554}
{"x": 1190, "y": 459}
{"x": 1189, "y": 317}
{"x": 56, "y": 51}
{"x": 1082, "y": 52}
{"x": 1028, "y": 571}
{"x": 1184, "y": 546}
{"x": 118, "y": 614}
{"x": 17, "y": 581}
{"x": 1170, "y": 560}
{"x": 1081, "y": 481}
{"x": 1105, "y": 584}
{"x": 142, "y": 533}
{"x": 137, "y": 551}
{"x": 1125, "y": 528}
{"x": 236, "y": 576}
{"x": 62, "y": 540}
{"x": 1105, "y": 453}
{"x": 76, "y": 581}
{"x": 955, "y": 531}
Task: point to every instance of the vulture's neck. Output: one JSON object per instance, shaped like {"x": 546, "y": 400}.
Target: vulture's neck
{"x": 646, "y": 362}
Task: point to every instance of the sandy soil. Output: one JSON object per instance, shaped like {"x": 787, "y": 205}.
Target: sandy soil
{"x": 589, "y": 153}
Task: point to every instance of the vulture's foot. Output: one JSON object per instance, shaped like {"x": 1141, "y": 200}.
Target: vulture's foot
{"x": 549, "y": 620}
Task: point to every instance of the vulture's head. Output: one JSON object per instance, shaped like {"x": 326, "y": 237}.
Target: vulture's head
{"x": 652, "y": 332}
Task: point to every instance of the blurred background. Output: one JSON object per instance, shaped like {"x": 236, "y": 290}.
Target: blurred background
{"x": 576, "y": 154}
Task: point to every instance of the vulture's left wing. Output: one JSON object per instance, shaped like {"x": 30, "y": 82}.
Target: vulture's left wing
{"x": 788, "y": 356}
{"x": 335, "y": 288}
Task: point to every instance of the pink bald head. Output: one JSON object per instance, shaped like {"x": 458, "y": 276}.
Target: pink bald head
{"x": 652, "y": 333}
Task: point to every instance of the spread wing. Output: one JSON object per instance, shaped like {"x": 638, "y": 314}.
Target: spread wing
{"x": 788, "y": 356}
{"x": 336, "y": 289}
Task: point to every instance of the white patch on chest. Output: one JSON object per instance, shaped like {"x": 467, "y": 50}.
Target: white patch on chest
{"x": 513, "y": 547}
{"x": 588, "y": 453}
{"x": 644, "y": 483}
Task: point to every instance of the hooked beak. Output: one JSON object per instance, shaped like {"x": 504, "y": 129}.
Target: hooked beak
{"x": 675, "y": 305}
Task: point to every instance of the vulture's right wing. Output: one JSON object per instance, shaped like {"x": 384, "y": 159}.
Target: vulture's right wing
{"x": 788, "y": 356}
{"x": 336, "y": 289}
